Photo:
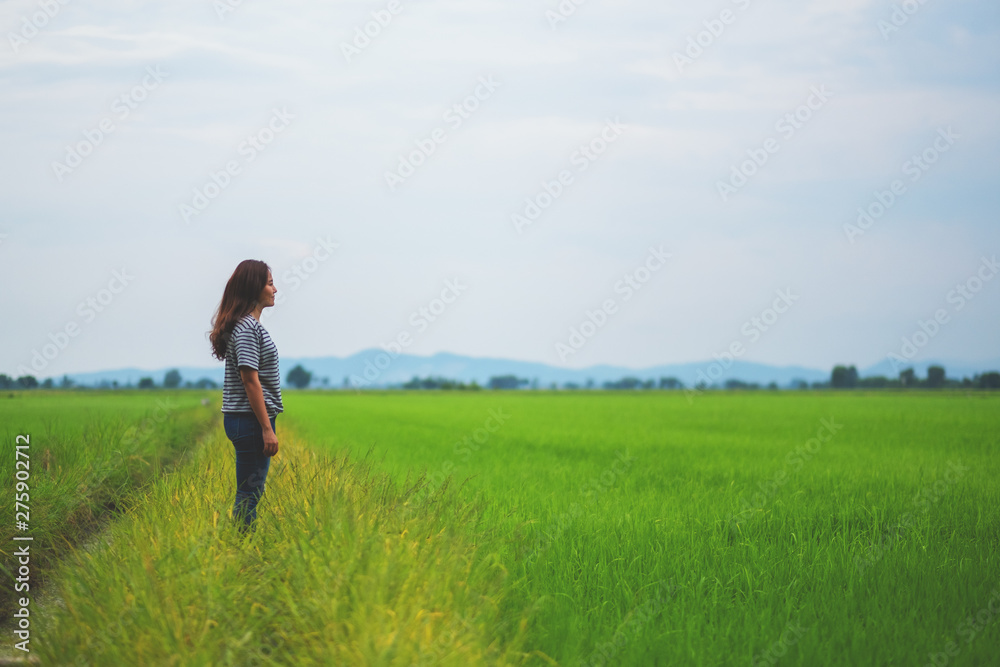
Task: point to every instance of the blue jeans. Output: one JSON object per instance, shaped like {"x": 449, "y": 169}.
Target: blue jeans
{"x": 247, "y": 436}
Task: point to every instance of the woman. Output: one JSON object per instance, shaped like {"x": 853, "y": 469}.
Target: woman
{"x": 251, "y": 394}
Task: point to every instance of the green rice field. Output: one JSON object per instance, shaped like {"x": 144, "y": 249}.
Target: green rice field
{"x": 533, "y": 528}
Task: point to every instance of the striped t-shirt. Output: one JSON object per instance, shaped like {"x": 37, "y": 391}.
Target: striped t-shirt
{"x": 250, "y": 345}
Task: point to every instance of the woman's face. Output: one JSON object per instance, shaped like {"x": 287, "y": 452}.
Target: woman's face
{"x": 266, "y": 297}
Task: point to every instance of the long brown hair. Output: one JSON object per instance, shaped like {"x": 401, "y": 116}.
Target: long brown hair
{"x": 239, "y": 298}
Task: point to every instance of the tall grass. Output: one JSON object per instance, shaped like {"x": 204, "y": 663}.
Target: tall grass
{"x": 343, "y": 569}
{"x": 88, "y": 452}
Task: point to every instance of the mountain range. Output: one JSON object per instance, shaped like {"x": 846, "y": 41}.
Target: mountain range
{"x": 375, "y": 368}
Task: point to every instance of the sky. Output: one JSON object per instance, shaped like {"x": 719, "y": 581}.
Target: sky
{"x": 610, "y": 182}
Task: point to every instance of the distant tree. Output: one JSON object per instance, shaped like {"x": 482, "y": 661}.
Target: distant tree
{"x": 206, "y": 383}
{"x": 625, "y": 383}
{"x": 989, "y": 380}
{"x": 326, "y": 382}
{"x": 6, "y": 382}
{"x": 590, "y": 383}
{"x": 114, "y": 384}
{"x": 773, "y": 386}
{"x": 172, "y": 379}
{"x": 874, "y": 382}
{"x": 799, "y": 384}
{"x": 428, "y": 383}
{"x": 534, "y": 383}
{"x": 571, "y": 385}
{"x": 844, "y": 377}
{"x": 27, "y": 382}
{"x": 506, "y": 382}
{"x": 740, "y": 384}
{"x": 444, "y": 384}
{"x": 554, "y": 386}
{"x": 907, "y": 378}
{"x": 146, "y": 383}
{"x": 66, "y": 382}
{"x": 48, "y": 383}
{"x": 299, "y": 377}
{"x": 671, "y": 383}
{"x": 649, "y": 384}
{"x": 935, "y": 377}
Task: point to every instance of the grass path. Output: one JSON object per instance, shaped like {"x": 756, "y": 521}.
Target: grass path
{"x": 87, "y": 453}
{"x": 342, "y": 570}
{"x": 88, "y": 470}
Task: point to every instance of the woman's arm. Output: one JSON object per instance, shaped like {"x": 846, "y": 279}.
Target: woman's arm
{"x": 251, "y": 382}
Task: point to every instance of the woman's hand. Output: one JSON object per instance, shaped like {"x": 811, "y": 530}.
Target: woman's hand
{"x": 270, "y": 442}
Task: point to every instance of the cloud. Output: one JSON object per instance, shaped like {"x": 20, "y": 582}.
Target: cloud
{"x": 686, "y": 131}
